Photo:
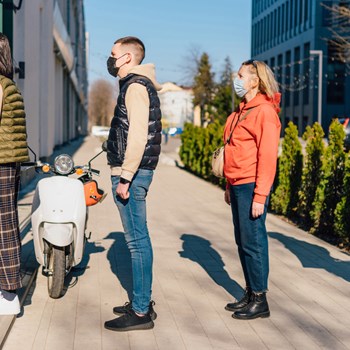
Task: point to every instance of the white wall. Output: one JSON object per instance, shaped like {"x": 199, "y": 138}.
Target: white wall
{"x": 43, "y": 87}
{"x": 177, "y": 107}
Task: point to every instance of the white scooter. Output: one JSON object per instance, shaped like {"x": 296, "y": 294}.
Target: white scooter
{"x": 59, "y": 217}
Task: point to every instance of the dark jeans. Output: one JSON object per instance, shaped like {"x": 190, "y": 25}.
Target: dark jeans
{"x": 133, "y": 215}
{"x": 251, "y": 237}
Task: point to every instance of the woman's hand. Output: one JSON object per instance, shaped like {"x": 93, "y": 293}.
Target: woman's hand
{"x": 257, "y": 209}
{"x": 227, "y": 197}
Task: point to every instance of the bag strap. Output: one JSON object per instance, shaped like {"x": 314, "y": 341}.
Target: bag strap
{"x": 239, "y": 119}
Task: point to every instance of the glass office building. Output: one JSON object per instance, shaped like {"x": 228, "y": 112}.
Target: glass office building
{"x": 291, "y": 36}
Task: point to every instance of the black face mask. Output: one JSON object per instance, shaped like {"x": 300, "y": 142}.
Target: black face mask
{"x": 112, "y": 69}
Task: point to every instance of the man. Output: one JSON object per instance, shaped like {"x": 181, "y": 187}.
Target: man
{"x": 133, "y": 149}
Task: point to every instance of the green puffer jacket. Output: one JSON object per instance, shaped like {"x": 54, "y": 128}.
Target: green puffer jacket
{"x": 13, "y": 135}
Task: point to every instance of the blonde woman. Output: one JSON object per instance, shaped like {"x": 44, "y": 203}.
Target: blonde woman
{"x": 250, "y": 167}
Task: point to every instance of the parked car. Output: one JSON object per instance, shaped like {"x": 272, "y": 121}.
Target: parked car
{"x": 174, "y": 131}
{"x": 101, "y": 131}
{"x": 346, "y": 124}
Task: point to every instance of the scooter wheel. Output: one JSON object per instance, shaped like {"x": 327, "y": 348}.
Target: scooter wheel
{"x": 57, "y": 272}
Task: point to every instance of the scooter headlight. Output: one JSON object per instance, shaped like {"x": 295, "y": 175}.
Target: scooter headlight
{"x": 64, "y": 164}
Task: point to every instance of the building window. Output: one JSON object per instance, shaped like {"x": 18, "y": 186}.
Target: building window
{"x": 335, "y": 76}
{"x": 283, "y": 22}
{"x": 305, "y": 123}
{"x": 306, "y": 11}
{"x": 287, "y": 19}
{"x": 296, "y": 121}
{"x": 272, "y": 64}
{"x": 291, "y": 14}
{"x": 278, "y": 24}
{"x": 306, "y": 74}
{"x": 287, "y": 78}
{"x": 279, "y": 68}
{"x": 327, "y": 14}
{"x": 296, "y": 79}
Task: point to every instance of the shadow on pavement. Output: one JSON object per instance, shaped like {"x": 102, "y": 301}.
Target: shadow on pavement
{"x": 72, "y": 278}
{"x": 199, "y": 250}
{"x": 313, "y": 256}
{"x": 120, "y": 260}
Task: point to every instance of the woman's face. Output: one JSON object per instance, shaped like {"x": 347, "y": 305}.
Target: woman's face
{"x": 250, "y": 79}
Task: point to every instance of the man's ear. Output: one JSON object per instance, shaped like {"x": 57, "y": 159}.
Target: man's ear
{"x": 129, "y": 57}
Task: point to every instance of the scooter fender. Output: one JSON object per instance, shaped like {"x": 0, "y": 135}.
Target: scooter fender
{"x": 59, "y": 215}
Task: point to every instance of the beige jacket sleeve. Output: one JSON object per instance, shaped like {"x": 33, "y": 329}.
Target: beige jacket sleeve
{"x": 137, "y": 105}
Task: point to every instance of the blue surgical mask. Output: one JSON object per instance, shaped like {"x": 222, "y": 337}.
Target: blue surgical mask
{"x": 238, "y": 85}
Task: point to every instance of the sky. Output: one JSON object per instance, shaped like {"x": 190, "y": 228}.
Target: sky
{"x": 171, "y": 30}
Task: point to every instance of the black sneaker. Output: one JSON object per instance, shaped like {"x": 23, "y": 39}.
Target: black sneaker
{"x": 121, "y": 310}
{"x": 130, "y": 322}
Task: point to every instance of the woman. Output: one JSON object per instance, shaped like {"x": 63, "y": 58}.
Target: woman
{"x": 249, "y": 167}
{"x": 13, "y": 150}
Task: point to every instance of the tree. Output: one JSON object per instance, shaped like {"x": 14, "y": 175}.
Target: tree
{"x": 284, "y": 200}
{"x": 312, "y": 171}
{"x": 339, "y": 14}
{"x": 342, "y": 210}
{"x": 203, "y": 87}
{"x": 101, "y": 102}
{"x": 222, "y": 101}
{"x": 330, "y": 190}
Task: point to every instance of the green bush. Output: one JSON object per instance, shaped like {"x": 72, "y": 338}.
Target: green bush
{"x": 318, "y": 194}
{"x": 342, "y": 210}
{"x": 312, "y": 172}
{"x": 198, "y": 145}
{"x": 330, "y": 191}
{"x": 285, "y": 198}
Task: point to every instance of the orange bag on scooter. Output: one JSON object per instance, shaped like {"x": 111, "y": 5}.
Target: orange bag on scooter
{"x": 93, "y": 194}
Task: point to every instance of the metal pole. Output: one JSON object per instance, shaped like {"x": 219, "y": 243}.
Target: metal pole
{"x": 320, "y": 74}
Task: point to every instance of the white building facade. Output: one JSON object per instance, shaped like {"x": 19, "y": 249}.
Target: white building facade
{"x": 176, "y": 105}
{"x": 48, "y": 42}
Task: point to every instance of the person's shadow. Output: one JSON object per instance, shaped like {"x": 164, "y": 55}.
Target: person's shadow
{"x": 72, "y": 278}
{"x": 120, "y": 260}
{"x": 313, "y": 256}
{"x": 199, "y": 250}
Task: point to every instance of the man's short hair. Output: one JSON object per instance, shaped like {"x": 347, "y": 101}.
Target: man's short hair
{"x": 137, "y": 43}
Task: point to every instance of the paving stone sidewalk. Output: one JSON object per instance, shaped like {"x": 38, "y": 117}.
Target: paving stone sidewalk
{"x": 196, "y": 272}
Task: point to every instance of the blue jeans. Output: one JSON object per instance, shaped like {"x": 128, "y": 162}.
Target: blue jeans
{"x": 133, "y": 215}
{"x": 251, "y": 237}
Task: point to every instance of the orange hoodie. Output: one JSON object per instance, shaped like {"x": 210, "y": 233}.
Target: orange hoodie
{"x": 251, "y": 155}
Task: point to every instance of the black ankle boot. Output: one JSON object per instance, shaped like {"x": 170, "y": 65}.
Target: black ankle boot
{"x": 258, "y": 307}
{"x": 241, "y": 303}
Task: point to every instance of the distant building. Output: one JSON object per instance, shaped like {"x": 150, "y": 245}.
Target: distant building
{"x": 285, "y": 34}
{"x": 176, "y": 104}
{"x": 49, "y": 49}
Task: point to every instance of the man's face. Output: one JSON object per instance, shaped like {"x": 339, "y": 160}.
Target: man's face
{"x": 117, "y": 62}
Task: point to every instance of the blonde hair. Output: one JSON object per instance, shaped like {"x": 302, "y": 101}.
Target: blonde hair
{"x": 267, "y": 82}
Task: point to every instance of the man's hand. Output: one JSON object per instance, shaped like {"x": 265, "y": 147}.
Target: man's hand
{"x": 123, "y": 190}
{"x": 257, "y": 209}
{"x": 227, "y": 197}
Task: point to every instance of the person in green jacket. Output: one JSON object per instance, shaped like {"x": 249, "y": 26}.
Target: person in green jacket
{"x": 13, "y": 151}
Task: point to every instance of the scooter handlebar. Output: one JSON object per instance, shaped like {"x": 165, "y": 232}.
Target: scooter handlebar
{"x": 95, "y": 171}
{"x": 28, "y": 164}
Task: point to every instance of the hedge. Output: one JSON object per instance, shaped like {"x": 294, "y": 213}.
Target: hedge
{"x": 313, "y": 190}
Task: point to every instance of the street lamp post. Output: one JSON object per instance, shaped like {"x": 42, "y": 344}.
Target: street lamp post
{"x": 319, "y": 53}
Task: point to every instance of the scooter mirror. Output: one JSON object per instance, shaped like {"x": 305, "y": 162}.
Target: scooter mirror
{"x": 104, "y": 146}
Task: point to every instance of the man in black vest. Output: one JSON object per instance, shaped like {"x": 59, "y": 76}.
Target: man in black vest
{"x": 133, "y": 149}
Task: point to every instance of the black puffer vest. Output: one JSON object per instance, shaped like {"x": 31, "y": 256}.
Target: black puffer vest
{"x": 118, "y": 134}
